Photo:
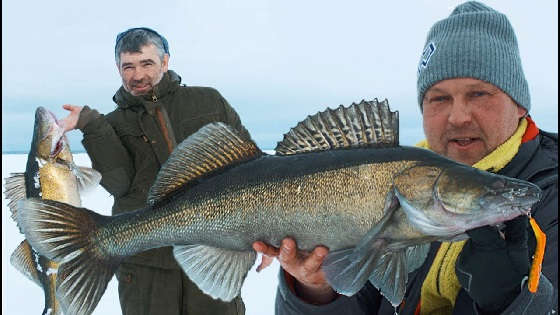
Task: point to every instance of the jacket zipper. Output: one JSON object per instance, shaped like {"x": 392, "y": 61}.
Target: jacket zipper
{"x": 163, "y": 124}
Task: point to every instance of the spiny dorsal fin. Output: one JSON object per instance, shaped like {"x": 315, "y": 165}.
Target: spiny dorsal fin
{"x": 367, "y": 124}
{"x": 213, "y": 147}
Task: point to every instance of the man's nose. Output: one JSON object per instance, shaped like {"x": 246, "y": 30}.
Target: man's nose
{"x": 460, "y": 113}
{"x": 138, "y": 74}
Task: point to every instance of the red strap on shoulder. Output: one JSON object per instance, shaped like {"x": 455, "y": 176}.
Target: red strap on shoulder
{"x": 531, "y": 132}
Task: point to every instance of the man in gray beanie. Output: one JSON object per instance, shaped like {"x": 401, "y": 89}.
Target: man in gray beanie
{"x": 475, "y": 103}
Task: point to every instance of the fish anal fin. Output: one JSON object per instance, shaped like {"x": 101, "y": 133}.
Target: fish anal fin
{"x": 214, "y": 147}
{"x": 218, "y": 272}
{"x": 24, "y": 259}
{"x": 367, "y": 124}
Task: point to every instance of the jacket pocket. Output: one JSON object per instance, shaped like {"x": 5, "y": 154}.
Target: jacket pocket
{"x": 135, "y": 141}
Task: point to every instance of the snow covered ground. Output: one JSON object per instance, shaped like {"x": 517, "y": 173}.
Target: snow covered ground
{"x": 21, "y": 296}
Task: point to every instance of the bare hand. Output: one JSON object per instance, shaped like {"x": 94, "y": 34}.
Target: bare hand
{"x": 303, "y": 266}
{"x": 69, "y": 122}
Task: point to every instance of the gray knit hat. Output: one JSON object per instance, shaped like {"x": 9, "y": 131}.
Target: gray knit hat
{"x": 478, "y": 42}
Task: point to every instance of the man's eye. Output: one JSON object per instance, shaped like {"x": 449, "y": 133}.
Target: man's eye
{"x": 436, "y": 99}
{"x": 478, "y": 93}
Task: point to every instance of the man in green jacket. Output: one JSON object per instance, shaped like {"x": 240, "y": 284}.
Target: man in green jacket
{"x": 128, "y": 146}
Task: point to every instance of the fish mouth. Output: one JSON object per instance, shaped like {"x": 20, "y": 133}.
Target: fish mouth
{"x": 49, "y": 125}
{"x": 518, "y": 197}
{"x": 58, "y": 146}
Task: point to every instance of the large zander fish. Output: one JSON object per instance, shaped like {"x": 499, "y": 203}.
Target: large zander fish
{"x": 50, "y": 174}
{"x": 338, "y": 178}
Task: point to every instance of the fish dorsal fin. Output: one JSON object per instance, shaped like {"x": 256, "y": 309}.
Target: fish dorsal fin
{"x": 24, "y": 259}
{"x": 218, "y": 272}
{"x": 367, "y": 124}
{"x": 213, "y": 147}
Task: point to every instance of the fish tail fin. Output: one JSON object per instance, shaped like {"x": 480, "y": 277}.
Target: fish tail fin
{"x": 67, "y": 235}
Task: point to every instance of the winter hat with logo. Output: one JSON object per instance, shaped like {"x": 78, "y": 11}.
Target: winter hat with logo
{"x": 478, "y": 42}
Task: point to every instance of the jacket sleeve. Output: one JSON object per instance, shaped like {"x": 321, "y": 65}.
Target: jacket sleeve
{"x": 107, "y": 153}
{"x": 367, "y": 301}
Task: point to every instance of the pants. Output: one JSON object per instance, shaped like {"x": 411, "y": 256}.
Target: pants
{"x": 146, "y": 290}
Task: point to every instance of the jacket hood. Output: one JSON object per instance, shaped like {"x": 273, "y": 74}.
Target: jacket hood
{"x": 168, "y": 84}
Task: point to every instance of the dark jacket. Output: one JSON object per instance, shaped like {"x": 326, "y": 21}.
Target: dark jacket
{"x": 129, "y": 146}
{"x": 537, "y": 162}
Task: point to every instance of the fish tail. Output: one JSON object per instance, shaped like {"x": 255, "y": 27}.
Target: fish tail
{"x": 67, "y": 235}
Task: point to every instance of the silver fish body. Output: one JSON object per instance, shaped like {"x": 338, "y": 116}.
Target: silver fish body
{"x": 375, "y": 208}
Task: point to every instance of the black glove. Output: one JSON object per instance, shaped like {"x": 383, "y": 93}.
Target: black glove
{"x": 490, "y": 268}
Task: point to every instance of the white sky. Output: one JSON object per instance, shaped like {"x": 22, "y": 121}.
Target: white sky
{"x": 275, "y": 61}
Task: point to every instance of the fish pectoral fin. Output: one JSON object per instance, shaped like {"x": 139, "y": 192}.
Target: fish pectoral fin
{"x": 218, "y": 272}
{"x": 347, "y": 275}
{"x": 390, "y": 274}
{"x": 15, "y": 191}
{"x": 23, "y": 259}
{"x": 88, "y": 178}
{"x": 348, "y": 270}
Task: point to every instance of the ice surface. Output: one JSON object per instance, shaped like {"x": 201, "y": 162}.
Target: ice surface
{"x": 22, "y": 296}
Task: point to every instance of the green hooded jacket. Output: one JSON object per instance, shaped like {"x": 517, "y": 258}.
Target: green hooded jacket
{"x": 130, "y": 144}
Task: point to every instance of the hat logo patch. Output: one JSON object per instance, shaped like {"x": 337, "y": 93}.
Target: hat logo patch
{"x": 426, "y": 55}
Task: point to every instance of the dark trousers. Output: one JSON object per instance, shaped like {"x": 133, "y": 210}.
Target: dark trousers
{"x": 146, "y": 290}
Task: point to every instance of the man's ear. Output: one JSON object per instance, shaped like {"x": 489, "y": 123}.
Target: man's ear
{"x": 521, "y": 112}
{"x": 165, "y": 62}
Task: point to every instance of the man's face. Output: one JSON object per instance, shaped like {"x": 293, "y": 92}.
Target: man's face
{"x": 140, "y": 72}
{"x": 465, "y": 119}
